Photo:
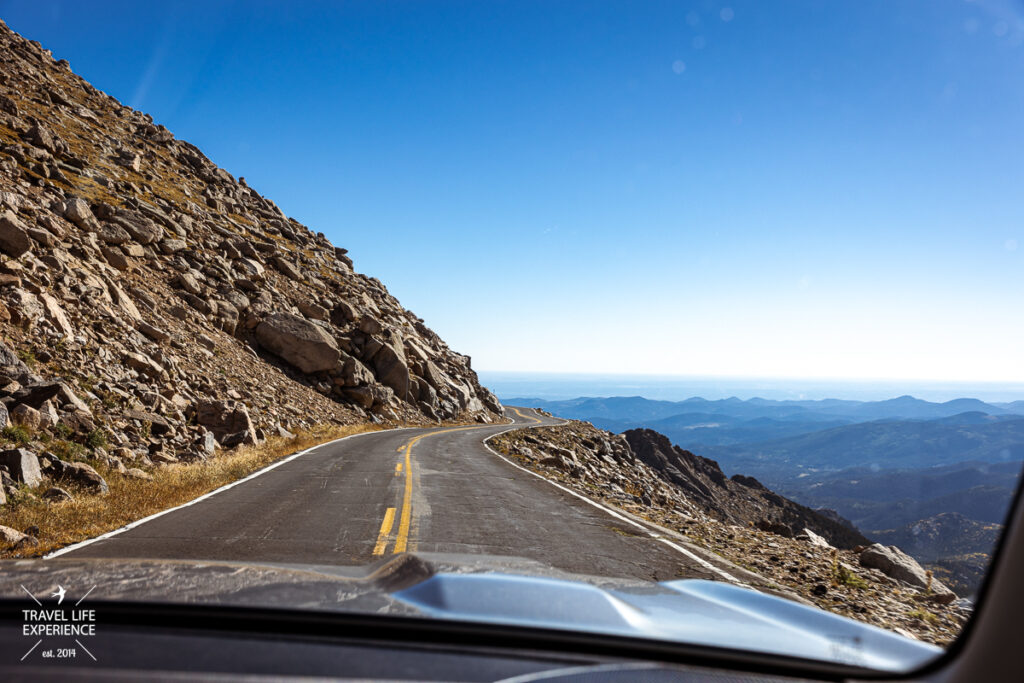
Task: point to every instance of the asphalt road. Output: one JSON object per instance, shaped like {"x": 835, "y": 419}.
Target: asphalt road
{"x": 367, "y": 497}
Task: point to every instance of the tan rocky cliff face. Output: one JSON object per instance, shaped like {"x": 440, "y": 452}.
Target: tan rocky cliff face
{"x": 150, "y": 299}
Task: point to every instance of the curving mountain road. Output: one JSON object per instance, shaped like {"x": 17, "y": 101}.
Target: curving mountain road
{"x": 359, "y": 499}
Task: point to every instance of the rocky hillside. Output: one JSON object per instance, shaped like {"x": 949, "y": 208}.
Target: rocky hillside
{"x": 153, "y": 307}
{"x": 739, "y": 500}
{"x": 642, "y": 474}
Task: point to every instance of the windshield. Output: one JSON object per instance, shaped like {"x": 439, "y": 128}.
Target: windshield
{"x": 688, "y": 321}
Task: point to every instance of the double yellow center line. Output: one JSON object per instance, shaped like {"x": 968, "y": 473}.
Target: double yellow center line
{"x": 518, "y": 412}
{"x": 405, "y": 520}
{"x": 385, "y": 531}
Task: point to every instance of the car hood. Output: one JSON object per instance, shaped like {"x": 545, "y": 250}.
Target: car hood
{"x": 498, "y": 590}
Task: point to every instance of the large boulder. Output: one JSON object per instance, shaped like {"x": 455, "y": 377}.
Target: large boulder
{"x": 38, "y": 393}
{"x": 158, "y": 424}
{"x": 121, "y": 300}
{"x": 228, "y": 420}
{"x": 313, "y": 310}
{"x": 298, "y": 341}
{"x": 811, "y": 538}
{"x": 25, "y": 307}
{"x": 141, "y": 228}
{"x": 10, "y": 359}
{"x": 14, "y": 240}
{"x": 427, "y": 395}
{"x": 343, "y": 312}
{"x": 391, "y": 368}
{"x": 342, "y": 255}
{"x": 129, "y": 159}
{"x": 462, "y": 393}
{"x": 490, "y": 400}
{"x": 8, "y": 106}
{"x": 23, "y": 466}
{"x": 372, "y": 397}
{"x": 362, "y": 396}
{"x": 78, "y": 212}
{"x": 140, "y": 362}
{"x": 895, "y": 563}
{"x": 354, "y": 373}
{"x": 111, "y": 233}
{"x": 172, "y": 246}
{"x": 10, "y": 536}
{"x": 26, "y": 416}
{"x": 189, "y": 283}
{"x": 78, "y": 473}
{"x": 39, "y": 135}
{"x": 433, "y": 376}
{"x": 227, "y": 316}
{"x": 286, "y": 267}
{"x": 56, "y": 314}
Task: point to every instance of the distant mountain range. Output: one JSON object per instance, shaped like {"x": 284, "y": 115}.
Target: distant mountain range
{"x": 637, "y": 408}
{"x": 781, "y": 440}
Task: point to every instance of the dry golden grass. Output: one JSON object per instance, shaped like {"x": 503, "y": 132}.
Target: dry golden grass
{"x": 244, "y": 220}
{"x": 129, "y": 499}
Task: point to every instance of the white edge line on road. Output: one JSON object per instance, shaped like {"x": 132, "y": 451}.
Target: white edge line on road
{"x": 278, "y": 463}
{"x": 699, "y": 560}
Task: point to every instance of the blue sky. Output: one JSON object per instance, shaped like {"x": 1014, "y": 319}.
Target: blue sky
{"x": 805, "y": 189}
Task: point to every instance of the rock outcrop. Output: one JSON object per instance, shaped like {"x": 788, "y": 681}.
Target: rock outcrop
{"x": 22, "y": 465}
{"x": 227, "y": 421}
{"x": 893, "y": 562}
{"x": 299, "y": 342}
{"x": 739, "y": 500}
{"x": 154, "y": 307}
{"x": 78, "y": 473}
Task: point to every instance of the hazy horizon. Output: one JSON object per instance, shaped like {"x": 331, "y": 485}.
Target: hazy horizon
{"x": 564, "y": 386}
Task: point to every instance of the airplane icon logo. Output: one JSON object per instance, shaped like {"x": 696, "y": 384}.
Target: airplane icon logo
{"x": 59, "y": 594}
